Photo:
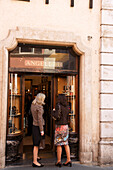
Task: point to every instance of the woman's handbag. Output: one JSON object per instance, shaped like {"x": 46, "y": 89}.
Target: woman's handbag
{"x": 57, "y": 115}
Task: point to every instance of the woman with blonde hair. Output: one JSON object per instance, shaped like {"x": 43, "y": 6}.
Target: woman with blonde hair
{"x": 38, "y": 123}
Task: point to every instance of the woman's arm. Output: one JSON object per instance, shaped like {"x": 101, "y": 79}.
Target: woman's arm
{"x": 40, "y": 120}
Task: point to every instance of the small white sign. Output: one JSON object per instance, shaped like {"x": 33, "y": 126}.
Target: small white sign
{"x": 49, "y": 63}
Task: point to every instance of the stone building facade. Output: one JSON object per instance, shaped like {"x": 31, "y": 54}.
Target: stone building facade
{"x": 88, "y": 30}
{"x": 106, "y": 82}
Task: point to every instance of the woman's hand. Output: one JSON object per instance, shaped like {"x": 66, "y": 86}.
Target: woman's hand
{"x": 53, "y": 109}
{"x": 42, "y": 133}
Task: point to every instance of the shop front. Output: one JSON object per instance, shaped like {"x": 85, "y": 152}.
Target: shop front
{"x": 36, "y": 61}
{"x": 34, "y": 69}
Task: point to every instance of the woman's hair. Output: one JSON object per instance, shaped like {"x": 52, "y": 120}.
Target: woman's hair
{"x": 62, "y": 99}
{"x": 39, "y": 99}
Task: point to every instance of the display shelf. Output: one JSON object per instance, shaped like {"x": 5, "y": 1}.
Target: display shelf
{"x": 16, "y": 95}
{"x": 18, "y": 114}
{"x": 10, "y": 135}
{"x": 70, "y": 114}
{"x": 16, "y": 132}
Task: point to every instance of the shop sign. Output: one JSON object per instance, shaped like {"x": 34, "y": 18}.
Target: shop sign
{"x": 34, "y": 62}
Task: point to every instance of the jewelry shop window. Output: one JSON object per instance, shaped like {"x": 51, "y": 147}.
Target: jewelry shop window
{"x": 66, "y": 85}
{"x": 14, "y": 104}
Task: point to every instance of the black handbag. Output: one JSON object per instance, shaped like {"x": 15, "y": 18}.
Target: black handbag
{"x": 57, "y": 115}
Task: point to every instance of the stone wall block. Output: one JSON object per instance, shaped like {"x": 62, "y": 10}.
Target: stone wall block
{"x": 107, "y": 45}
{"x": 107, "y": 58}
{"x": 107, "y": 31}
{"x": 107, "y": 4}
{"x": 106, "y": 115}
{"x": 107, "y": 17}
{"x": 105, "y": 153}
{"x": 106, "y": 101}
{"x": 106, "y": 72}
{"x": 106, "y": 87}
{"x": 106, "y": 130}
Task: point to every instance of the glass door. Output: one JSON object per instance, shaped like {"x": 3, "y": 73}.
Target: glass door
{"x": 68, "y": 85}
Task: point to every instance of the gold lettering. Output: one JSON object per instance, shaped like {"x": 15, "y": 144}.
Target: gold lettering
{"x": 59, "y": 64}
{"x": 33, "y": 63}
{"x": 49, "y": 64}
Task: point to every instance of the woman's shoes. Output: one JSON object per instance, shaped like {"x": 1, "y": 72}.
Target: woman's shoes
{"x": 38, "y": 159}
{"x": 59, "y": 164}
{"x": 38, "y": 166}
{"x": 68, "y": 164}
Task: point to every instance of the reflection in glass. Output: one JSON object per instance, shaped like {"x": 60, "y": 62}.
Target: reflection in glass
{"x": 14, "y": 123}
{"x": 46, "y": 59}
{"x": 66, "y": 85}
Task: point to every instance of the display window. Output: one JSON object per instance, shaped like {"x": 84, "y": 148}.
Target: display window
{"x": 14, "y": 104}
{"x": 66, "y": 85}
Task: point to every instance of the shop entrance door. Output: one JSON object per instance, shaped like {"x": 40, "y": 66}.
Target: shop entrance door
{"x": 23, "y": 90}
{"x": 35, "y": 84}
{"x": 48, "y": 69}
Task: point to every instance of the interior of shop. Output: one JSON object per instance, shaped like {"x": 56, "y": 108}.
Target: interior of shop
{"x": 34, "y": 85}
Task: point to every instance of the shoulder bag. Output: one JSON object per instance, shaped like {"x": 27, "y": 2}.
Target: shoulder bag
{"x": 57, "y": 115}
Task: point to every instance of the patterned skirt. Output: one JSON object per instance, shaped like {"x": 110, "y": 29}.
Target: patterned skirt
{"x": 61, "y": 135}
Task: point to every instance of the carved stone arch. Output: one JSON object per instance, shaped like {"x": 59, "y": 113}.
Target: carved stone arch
{"x": 35, "y": 36}
{"x": 49, "y": 37}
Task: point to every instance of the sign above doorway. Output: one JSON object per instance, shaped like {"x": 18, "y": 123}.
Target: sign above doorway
{"x": 43, "y": 59}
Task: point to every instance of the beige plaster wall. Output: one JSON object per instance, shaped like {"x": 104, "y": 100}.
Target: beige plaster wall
{"x": 58, "y": 15}
{"x": 57, "y": 22}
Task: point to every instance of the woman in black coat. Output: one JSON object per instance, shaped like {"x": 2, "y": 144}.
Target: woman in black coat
{"x": 61, "y": 113}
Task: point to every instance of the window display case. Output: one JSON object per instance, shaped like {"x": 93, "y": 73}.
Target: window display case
{"x": 67, "y": 85}
{"x": 14, "y": 118}
{"x": 14, "y": 104}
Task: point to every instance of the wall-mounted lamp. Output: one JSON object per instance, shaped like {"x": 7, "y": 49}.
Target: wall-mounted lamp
{"x": 90, "y": 4}
{"x": 72, "y": 3}
{"x": 46, "y": 1}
